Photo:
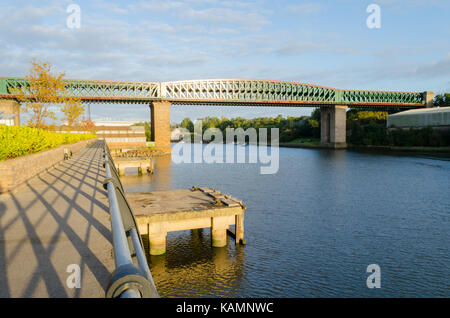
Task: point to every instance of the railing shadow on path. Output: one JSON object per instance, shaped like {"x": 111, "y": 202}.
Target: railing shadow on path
{"x": 56, "y": 219}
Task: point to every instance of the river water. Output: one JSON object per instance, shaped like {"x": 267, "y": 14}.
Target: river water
{"x": 314, "y": 227}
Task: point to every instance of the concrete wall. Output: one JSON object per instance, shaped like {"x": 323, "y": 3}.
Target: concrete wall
{"x": 14, "y": 172}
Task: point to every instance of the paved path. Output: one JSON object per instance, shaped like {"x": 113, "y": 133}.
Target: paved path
{"x": 56, "y": 219}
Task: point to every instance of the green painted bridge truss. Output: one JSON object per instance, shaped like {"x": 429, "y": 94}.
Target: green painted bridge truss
{"x": 226, "y": 91}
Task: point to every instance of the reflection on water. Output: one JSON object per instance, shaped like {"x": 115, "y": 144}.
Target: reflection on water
{"x": 191, "y": 266}
{"x": 312, "y": 228}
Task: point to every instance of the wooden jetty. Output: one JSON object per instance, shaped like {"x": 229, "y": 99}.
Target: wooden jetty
{"x": 160, "y": 212}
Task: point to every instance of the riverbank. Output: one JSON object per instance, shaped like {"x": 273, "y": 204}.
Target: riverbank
{"x": 54, "y": 221}
{"x": 441, "y": 150}
{"x": 315, "y": 144}
{"x": 311, "y": 145}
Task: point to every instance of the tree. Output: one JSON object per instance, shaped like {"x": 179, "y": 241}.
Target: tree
{"x": 188, "y": 124}
{"x": 315, "y": 115}
{"x": 43, "y": 90}
{"x": 148, "y": 131}
{"x": 442, "y": 100}
{"x": 87, "y": 124}
{"x": 72, "y": 110}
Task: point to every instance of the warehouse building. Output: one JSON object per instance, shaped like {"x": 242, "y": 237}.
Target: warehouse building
{"x": 438, "y": 117}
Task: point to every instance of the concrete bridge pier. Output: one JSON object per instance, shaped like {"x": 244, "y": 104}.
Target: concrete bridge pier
{"x": 333, "y": 126}
{"x": 428, "y": 98}
{"x": 160, "y": 124}
{"x": 9, "y": 106}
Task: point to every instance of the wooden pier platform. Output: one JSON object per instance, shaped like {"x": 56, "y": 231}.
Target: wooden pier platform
{"x": 160, "y": 212}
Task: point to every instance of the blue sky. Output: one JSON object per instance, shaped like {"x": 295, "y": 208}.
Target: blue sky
{"x": 318, "y": 42}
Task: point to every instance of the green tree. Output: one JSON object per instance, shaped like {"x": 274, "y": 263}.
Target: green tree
{"x": 188, "y": 124}
{"x": 148, "y": 131}
{"x": 43, "y": 90}
{"x": 442, "y": 100}
{"x": 315, "y": 115}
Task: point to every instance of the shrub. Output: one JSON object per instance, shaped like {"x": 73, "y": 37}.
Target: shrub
{"x": 16, "y": 141}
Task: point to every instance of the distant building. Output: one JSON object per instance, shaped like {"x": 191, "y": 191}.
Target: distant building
{"x": 114, "y": 134}
{"x": 111, "y": 123}
{"x": 7, "y": 119}
{"x": 438, "y": 117}
{"x": 119, "y": 136}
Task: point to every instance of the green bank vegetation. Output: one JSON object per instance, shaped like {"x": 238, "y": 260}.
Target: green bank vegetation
{"x": 442, "y": 100}
{"x": 364, "y": 128}
{"x": 369, "y": 129}
{"x": 290, "y": 128}
{"x": 16, "y": 141}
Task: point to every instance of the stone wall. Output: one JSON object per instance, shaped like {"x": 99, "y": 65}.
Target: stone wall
{"x": 14, "y": 172}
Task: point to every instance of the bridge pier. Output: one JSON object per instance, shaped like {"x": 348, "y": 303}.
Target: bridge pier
{"x": 333, "y": 127}
{"x": 160, "y": 124}
{"x": 9, "y": 106}
{"x": 428, "y": 99}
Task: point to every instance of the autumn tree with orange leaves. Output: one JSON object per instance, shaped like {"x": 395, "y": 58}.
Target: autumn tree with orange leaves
{"x": 44, "y": 91}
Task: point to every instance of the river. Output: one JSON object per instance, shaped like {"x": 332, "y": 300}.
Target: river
{"x": 314, "y": 227}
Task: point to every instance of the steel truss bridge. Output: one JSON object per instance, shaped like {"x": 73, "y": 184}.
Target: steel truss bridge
{"x": 237, "y": 92}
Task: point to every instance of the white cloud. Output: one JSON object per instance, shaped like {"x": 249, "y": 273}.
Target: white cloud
{"x": 305, "y": 8}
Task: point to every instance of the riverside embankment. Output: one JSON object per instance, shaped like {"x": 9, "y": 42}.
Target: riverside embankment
{"x": 55, "y": 221}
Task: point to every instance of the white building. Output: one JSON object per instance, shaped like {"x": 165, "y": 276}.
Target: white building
{"x": 423, "y": 117}
{"x": 7, "y": 119}
{"x": 111, "y": 123}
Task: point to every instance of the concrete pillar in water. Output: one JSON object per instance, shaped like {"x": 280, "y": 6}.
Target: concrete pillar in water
{"x": 325, "y": 125}
{"x": 8, "y": 106}
{"x": 239, "y": 228}
{"x": 157, "y": 238}
{"x": 160, "y": 124}
{"x": 219, "y": 226}
{"x": 333, "y": 126}
{"x": 157, "y": 244}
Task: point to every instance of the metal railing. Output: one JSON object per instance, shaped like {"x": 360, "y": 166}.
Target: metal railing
{"x": 132, "y": 277}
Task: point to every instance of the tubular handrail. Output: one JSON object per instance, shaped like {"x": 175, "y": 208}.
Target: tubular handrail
{"x": 129, "y": 280}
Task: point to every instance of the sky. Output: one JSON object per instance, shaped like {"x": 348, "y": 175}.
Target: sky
{"x": 317, "y": 42}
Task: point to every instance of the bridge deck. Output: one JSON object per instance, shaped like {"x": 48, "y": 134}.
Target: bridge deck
{"x": 234, "y": 92}
{"x": 56, "y": 219}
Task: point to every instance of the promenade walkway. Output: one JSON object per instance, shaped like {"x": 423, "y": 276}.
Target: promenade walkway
{"x": 56, "y": 219}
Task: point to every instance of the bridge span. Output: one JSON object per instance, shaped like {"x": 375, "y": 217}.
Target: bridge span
{"x": 229, "y": 92}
